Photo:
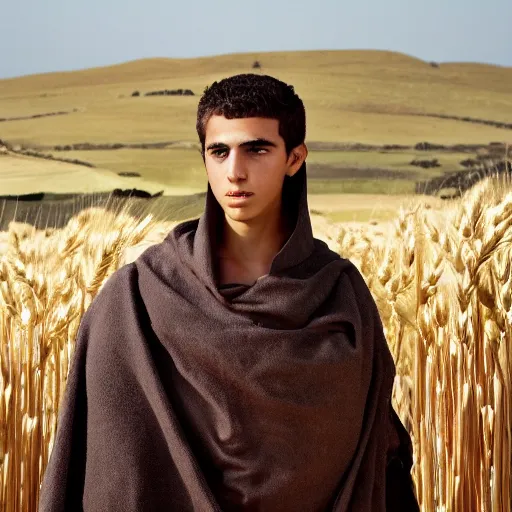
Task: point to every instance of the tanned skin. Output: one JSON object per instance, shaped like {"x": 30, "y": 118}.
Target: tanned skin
{"x": 249, "y": 155}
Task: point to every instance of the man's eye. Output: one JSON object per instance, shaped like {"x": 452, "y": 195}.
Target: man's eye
{"x": 219, "y": 152}
{"x": 259, "y": 151}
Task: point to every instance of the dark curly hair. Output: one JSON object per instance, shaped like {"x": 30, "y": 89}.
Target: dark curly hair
{"x": 251, "y": 95}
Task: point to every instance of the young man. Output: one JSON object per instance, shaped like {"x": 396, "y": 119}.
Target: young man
{"x": 240, "y": 364}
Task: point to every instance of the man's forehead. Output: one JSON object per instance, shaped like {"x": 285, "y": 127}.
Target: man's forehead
{"x": 234, "y": 132}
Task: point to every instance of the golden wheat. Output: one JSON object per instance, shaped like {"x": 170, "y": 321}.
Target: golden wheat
{"x": 442, "y": 281}
{"x": 451, "y": 342}
{"x": 47, "y": 281}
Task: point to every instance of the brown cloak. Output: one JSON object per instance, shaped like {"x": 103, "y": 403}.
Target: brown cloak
{"x": 183, "y": 396}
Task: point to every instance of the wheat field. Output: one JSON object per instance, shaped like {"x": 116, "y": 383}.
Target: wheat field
{"x": 441, "y": 277}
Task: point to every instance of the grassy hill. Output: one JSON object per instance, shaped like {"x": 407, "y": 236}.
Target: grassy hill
{"x": 368, "y": 97}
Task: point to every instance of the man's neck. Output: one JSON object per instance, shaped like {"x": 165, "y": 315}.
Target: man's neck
{"x": 252, "y": 247}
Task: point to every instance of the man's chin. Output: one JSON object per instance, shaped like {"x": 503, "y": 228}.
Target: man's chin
{"x": 239, "y": 214}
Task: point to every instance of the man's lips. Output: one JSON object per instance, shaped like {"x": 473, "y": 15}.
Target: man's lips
{"x": 238, "y": 199}
{"x": 239, "y": 194}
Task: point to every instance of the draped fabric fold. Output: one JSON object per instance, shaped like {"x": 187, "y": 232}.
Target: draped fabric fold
{"x": 188, "y": 396}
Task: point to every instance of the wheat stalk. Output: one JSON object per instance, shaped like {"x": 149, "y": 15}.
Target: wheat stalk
{"x": 442, "y": 282}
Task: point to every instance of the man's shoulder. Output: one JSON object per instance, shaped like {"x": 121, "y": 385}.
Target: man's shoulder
{"x": 115, "y": 310}
{"x": 153, "y": 242}
{"x": 119, "y": 287}
{"x": 124, "y": 276}
{"x": 327, "y": 253}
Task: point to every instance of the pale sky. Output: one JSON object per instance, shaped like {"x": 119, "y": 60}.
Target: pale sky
{"x": 57, "y": 35}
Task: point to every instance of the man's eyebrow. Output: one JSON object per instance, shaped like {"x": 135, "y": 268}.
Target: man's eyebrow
{"x": 216, "y": 145}
{"x": 254, "y": 142}
{"x": 259, "y": 142}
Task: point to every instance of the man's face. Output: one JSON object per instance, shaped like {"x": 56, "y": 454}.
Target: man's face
{"x": 248, "y": 155}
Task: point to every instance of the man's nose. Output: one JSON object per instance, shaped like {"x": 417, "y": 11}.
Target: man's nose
{"x": 236, "y": 167}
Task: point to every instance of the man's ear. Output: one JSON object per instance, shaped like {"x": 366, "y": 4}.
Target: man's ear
{"x": 296, "y": 159}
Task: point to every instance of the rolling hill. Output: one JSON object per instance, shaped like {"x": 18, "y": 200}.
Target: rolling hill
{"x": 375, "y": 98}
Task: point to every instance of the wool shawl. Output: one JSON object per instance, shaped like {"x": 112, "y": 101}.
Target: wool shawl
{"x": 187, "y": 396}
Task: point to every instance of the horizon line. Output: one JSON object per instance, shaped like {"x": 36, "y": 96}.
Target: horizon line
{"x": 252, "y": 53}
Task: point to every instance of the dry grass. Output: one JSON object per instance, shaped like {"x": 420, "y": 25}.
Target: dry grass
{"x": 443, "y": 286}
{"x": 21, "y": 174}
{"x": 350, "y": 96}
{"x": 358, "y": 96}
